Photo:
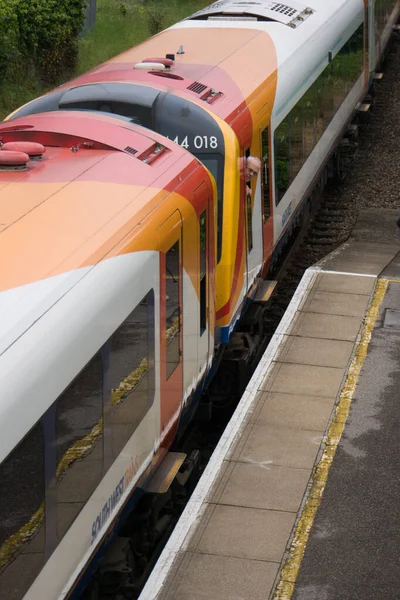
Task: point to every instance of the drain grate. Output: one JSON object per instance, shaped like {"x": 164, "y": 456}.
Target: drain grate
{"x": 392, "y": 318}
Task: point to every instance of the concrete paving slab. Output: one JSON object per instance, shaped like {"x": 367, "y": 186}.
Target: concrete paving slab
{"x": 358, "y": 266}
{"x": 350, "y": 284}
{"x": 377, "y": 225}
{"x": 295, "y": 411}
{"x": 210, "y": 577}
{"x": 198, "y": 527}
{"x": 268, "y": 487}
{"x": 317, "y": 352}
{"x": 247, "y": 533}
{"x": 282, "y": 446}
{"x": 333, "y": 327}
{"x": 367, "y": 245}
{"x": 220, "y": 482}
{"x": 239, "y": 442}
{"x": 270, "y": 376}
{"x": 332, "y": 303}
{"x": 364, "y": 248}
{"x": 393, "y": 268}
{"x": 306, "y": 379}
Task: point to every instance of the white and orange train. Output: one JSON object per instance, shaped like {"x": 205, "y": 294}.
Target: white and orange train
{"x": 130, "y": 250}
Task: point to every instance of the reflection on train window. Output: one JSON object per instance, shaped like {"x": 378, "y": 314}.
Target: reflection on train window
{"x": 265, "y": 173}
{"x": 22, "y": 516}
{"x": 79, "y": 443}
{"x": 296, "y": 140}
{"x": 282, "y": 159}
{"x": 172, "y": 311}
{"x": 309, "y": 107}
{"x": 130, "y": 375}
{"x": 203, "y": 271}
{"x": 299, "y": 132}
{"x": 383, "y": 10}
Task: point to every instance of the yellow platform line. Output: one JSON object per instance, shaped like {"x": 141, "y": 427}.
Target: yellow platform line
{"x": 290, "y": 570}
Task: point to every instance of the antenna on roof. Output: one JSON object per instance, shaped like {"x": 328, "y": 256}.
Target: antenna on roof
{"x": 181, "y": 50}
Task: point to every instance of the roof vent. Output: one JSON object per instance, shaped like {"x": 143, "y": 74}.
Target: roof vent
{"x": 212, "y": 95}
{"x": 292, "y": 14}
{"x": 130, "y": 150}
{"x": 166, "y": 74}
{"x": 11, "y": 160}
{"x": 284, "y": 10}
{"x": 197, "y": 87}
{"x": 153, "y": 153}
{"x": 33, "y": 149}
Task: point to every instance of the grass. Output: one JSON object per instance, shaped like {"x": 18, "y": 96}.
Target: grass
{"x": 120, "y": 24}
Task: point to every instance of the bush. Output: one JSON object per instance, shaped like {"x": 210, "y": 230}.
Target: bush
{"x": 49, "y": 32}
{"x": 9, "y": 37}
{"x": 41, "y": 33}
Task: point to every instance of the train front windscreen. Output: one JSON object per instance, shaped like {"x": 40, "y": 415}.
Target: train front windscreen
{"x": 193, "y": 128}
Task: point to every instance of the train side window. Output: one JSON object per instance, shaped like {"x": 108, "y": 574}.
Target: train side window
{"x": 22, "y": 530}
{"x": 309, "y": 120}
{"x": 338, "y": 81}
{"x": 203, "y": 272}
{"x": 130, "y": 375}
{"x": 383, "y": 10}
{"x": 282, "y": 159}
{"x": 346, "y": 57}
{"x": 79, "y": 442}
{"x": 357, "y": 54}
{"x": 266, "y": 172}
{"x": 319, "y": 109}
{"x": 172, "y": 308}
{"x": 328, "y": 94}
{"x": 296, "y": 140}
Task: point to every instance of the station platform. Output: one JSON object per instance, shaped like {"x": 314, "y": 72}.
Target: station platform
{"x": 301, "y": 496}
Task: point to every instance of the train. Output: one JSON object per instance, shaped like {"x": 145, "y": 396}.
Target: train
{"x": 145, "y": 206}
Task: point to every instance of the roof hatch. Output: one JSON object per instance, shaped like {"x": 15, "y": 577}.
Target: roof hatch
{"x": 291, "y": 13}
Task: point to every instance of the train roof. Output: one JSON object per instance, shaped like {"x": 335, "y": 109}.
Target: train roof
{"x": 62, "y": 211}
{"x": 98, "y": 178}
{"x": 225, "y": 54}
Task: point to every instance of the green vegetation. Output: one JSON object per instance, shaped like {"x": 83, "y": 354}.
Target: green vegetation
{"x": 38, "y": 40}
{"x": 28, "y": 71}
{"x": 121, "y": 24}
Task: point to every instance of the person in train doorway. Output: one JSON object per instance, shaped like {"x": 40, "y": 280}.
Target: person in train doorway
{"x": 253, "y": 166}
{"x": 249, "y": 168}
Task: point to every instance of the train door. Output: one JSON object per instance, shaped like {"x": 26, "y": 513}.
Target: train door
{"x": 266, "y": 200}
{"x": 204, "y": 324}
{"x": 171, "y": 340}
{"x": 253, "y": 220}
